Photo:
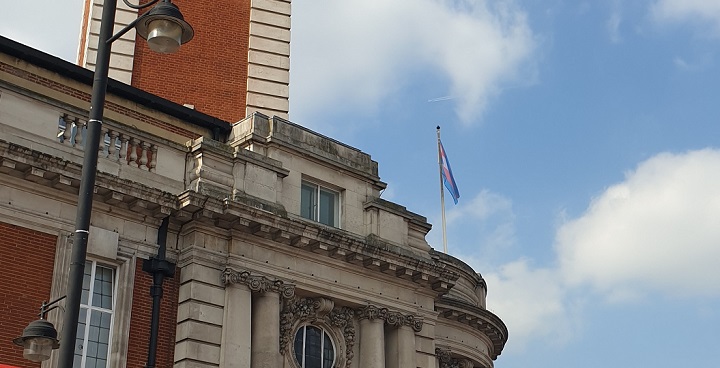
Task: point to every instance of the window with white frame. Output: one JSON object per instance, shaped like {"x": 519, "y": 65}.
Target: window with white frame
{"x": 320, "y": 204}
{"x": 92, "y": 343}
{"x": 313, "y": 348}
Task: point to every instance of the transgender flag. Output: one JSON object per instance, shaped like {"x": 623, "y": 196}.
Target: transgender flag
{"x": 447, "y": 175}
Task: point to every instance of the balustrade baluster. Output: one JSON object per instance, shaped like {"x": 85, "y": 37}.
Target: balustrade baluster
{"x": 101, "y": 144}
{"x": 133, "y": 151}
{"x": 123, "y": 148}
{"x": 79, "y": 125}
{"x": 153, "y": 158}
{"x": 145, "y": 149}
{"x": 112, "y": 148}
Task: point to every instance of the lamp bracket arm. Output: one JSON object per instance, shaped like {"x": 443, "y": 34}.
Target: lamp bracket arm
{"x": 124, "y": 30}
{"x": 44, "y": 307}
{"x": 139, "y": 6}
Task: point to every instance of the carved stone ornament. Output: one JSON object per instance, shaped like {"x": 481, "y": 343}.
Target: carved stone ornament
{"x": 446, "y": 360}
{"x": 260, "y": 284}
{"x": 319, "y": 311}
{"x": 395, "y": 319}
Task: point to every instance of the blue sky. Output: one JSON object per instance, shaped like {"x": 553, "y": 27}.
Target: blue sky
{"x": 583, "y": 137}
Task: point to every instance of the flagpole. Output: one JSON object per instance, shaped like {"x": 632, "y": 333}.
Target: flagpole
{"x": 442, "y": 192}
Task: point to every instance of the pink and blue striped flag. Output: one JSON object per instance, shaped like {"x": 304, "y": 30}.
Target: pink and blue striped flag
{"x": 447, "y": 175}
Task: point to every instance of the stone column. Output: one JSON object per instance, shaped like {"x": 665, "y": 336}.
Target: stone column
{"x": 261, "y": 346}
{"x": 400, "y": 347}
{"x": 266, "y": 331}
{"x": 235, "y": 344}
{"x": 372, "y": 337}
{"x": 372, "y": 346}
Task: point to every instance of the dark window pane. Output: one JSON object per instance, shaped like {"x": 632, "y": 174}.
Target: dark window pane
{"x": 105, "y": 320}
{"x": 327, "y": 208}
{"x": 299, "y": 338}
{"x": 328, "y": 352}
{"x": 308, "y": 201}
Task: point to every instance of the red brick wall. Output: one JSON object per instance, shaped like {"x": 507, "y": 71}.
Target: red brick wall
{"x": 210, "y": 71}
{"x": 140, "y": 320}
{"x": 27, "y": 260}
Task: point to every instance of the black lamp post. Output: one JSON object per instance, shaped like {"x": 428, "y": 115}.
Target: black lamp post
{"x": 165, "y": 30}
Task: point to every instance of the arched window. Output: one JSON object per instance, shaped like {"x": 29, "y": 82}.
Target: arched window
{"x": 314, "y": 348}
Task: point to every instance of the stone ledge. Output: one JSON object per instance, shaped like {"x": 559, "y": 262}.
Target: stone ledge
{"x": 480, "y": 319}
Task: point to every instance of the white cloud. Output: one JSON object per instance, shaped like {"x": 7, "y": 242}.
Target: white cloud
{"x": 657, "y": 231}
{"x": 54, "y": 30}
{"x": 532, "y": 302}
{"x": 369, "y": 48}
{"x": 490, "y": 216}
{"x": 694, "y": 11}
{"x": 654, "y": 234}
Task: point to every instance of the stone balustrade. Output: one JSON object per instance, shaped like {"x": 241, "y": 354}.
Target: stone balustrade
{"x": 117, "y": 143}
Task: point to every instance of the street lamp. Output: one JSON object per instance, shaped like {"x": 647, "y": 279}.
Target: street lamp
{"x": 165, "y": 29}
{"x": 39, "y": 338}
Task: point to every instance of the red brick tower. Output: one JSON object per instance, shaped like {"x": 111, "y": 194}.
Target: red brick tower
{"x": 237, "y": 63}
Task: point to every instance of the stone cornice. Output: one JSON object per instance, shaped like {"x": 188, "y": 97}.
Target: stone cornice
{"x": 480, "y": 319}
{"x": 51, "y": 171}
{"x": 256, "y": 218}
{"x": 258, "y": 283}
{"x": 395, "y": 319}
{"x": 370, "y": 252}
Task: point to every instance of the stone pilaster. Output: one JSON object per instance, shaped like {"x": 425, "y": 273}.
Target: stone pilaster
{"x": 266, "y": 331}
{"x": 236, "y": 341}
{"x": 400, "y": 347}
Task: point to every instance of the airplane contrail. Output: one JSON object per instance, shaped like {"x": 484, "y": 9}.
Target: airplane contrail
{"x": 444, "y": 98}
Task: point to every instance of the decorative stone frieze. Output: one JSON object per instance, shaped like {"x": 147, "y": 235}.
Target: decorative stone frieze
{"x": 258, "y": 284}
{"x": 321, "y": 311}
{"x": 395, "y": 319}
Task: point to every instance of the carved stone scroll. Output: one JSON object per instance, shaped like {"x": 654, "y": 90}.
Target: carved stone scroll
{"x": 395, "y": 319}
{"x": 256, "y": 283}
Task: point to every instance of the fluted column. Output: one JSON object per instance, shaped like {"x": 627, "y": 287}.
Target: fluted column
{"x": 266, "y": 331}
{"x": 236, "y": 339}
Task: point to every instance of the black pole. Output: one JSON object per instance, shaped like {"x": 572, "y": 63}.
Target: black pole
{"x": 87, "y": 186}
{"x": 159, "y": 268}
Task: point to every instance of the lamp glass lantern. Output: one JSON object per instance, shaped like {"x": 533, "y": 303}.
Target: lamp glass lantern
{"x": 164, "y": 28}
{"x": 38, "y": 340}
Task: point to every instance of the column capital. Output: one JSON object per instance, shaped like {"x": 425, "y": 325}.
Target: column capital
{"x": 395, "y": 319}
{"x": 258, "y": 283}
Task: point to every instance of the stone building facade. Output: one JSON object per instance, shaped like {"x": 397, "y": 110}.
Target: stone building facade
{"x": 286, "y": 256}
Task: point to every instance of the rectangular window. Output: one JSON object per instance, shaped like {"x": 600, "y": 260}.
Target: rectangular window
{"x": 320, "y": 204}
{"x": 92, "y": 342}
